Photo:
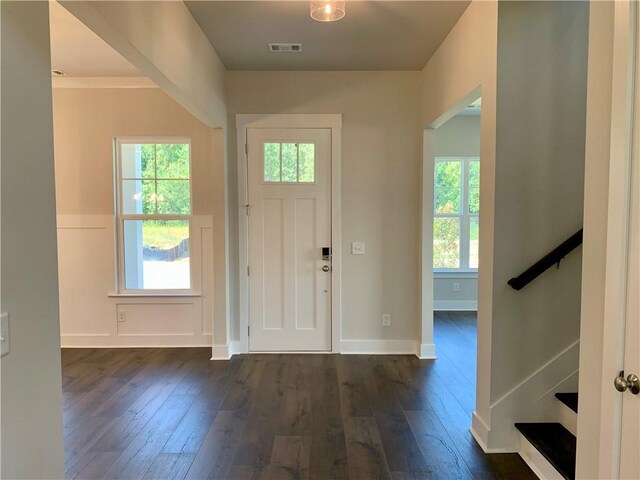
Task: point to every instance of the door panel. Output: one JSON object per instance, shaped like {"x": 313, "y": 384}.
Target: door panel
{"x": 289, "y": 184}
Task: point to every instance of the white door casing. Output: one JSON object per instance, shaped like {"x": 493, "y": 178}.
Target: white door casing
{"x": 620, "y": 412}
{"x": 289, "y": 224}
{"x": 244, "y": 122}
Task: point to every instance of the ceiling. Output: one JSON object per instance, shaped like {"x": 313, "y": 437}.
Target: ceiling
{"x": 374, "y": 35}
{"x": 79, "y": 52}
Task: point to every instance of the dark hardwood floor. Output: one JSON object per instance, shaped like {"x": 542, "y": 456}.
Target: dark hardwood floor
{"x": 173, "y": 414}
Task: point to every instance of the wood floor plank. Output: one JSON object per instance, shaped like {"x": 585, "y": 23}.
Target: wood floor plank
{"x": 263, "y": 418}
{"x": 169, "y": 466}
{"x": 95, "y": 467}
{"x": 140, "y": 454}
{"x": 215, "y": 457}
{"x": 437, "y": 448}
{"x": 289, "y": 458}
{"x": 364, "y": 449}
{"x": 329, "y": 459}
{"x": 353, "y": 392}
{"x": 296, "y": 414}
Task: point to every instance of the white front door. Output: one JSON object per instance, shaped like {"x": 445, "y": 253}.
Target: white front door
{"x": 289, "y": 185}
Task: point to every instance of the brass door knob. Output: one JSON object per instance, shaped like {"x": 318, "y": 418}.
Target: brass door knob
{"x": 631, "y": 383}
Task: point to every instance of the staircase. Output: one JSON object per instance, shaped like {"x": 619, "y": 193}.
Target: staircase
{"x": 550, "y": 448}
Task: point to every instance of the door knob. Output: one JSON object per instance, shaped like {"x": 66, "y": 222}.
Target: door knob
{"x": 631, "y": 383}
{"x": 326, "y": 268}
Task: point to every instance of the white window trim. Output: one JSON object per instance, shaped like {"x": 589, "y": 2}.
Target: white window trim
{"x": 120, "y": 217}
{"x": 464, "y": 217}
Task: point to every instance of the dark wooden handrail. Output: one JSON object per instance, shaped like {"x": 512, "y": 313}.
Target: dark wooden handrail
{"x": 552, "y": 258}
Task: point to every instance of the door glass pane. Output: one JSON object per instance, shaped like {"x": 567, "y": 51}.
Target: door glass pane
{"x": 474, "y": 237}
{"x": 306, "y": 162}
{"x": 289, "y": 162}
{"x": 271, "y": 162}
{"x": 448, "y": 187}
{"x": 446, "y": 242}
{"x": 156, "y": 254}
{"x": 172, "y": 160}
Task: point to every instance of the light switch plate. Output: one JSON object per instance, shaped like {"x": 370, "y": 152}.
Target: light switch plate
{"x": 4, "y": 334}
{"x": 357, "y": 248}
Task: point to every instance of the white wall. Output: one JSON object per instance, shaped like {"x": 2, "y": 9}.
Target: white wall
{"x": 542, "y": 60}
{"x": 85, "y": 208}
{"x": 458, "y": 137}
{"x": 539, "y": 188}
{"x": 380, "y": 183}
{"x": 31, "y": 415}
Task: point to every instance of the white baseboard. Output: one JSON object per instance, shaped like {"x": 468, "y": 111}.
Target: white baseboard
{"x": 379, "y": 347}
{"x": 455, "y": 305}
{"x": 540, "y": 465}
{"x": 235, "y": 347}
{"x": 480, "y": 432}
{"x": 532, "y": 400}
{"x": 427, "y": 351}
{"x": 221, "y": 352}
{"x": 141, "y": 341}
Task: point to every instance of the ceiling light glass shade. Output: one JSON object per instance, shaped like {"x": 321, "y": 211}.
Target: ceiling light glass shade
{"x": 327, "y": 10}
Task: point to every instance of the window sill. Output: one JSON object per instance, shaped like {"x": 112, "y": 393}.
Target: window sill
{"x": 154, "y": 295}
{"x": 456, "y": 274}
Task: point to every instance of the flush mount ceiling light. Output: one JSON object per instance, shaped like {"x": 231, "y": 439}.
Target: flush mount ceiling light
{"x": 327, "y": 10}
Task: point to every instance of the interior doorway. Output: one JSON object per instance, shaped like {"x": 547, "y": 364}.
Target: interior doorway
{"x": 451, "y": 233}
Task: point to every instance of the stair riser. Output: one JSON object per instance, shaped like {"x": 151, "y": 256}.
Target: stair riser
{"x": 568, "y": 418}
{"x": 540, "y": 465}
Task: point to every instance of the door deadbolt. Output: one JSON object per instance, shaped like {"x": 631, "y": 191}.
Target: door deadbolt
{"x": 631, "y": 383}
{"x": 326, "y": 268}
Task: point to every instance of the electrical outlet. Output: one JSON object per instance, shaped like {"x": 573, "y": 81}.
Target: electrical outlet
{"x": 456, "y": 286}
{"x": 122, "y": 317}
{"x": 386, "y": 320}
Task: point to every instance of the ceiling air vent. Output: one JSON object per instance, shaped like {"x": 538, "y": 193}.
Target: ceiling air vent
{"x": 285, "y": 47}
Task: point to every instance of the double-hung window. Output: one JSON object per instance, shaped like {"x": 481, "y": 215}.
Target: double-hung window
{"x": 153, "y": 210}
{"x": 456, "y": 210}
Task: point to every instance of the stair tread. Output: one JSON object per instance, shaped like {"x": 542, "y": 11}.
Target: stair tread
{"x": 555, "y": 443}
{"x": 569, "y": 399}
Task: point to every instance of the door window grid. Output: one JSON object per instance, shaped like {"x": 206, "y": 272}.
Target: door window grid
{"x": 287, "y": 162}
{"x": 456, "y": 214}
